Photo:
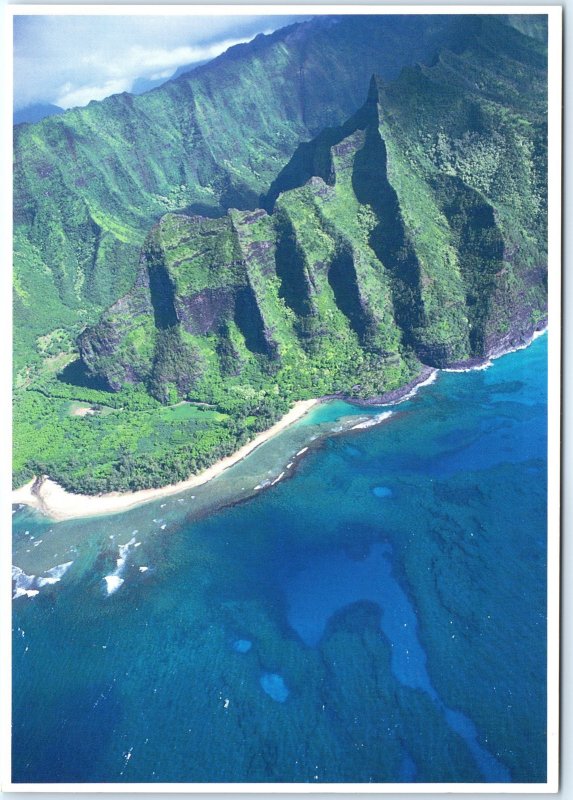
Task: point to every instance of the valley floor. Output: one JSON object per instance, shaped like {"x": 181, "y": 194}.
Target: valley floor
{"x": 50, "y": 499}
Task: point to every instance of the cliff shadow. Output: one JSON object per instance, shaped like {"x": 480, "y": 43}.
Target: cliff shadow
{"x": 388, "y": 238}
{"x": 76, "y": 374}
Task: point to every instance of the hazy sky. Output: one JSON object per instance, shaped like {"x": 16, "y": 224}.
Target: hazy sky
{"x": 70, "y": 60}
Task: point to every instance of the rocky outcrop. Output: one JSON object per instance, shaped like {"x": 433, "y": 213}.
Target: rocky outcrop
{"x": 129, "y": 319}
{"x": 205, "y": 311}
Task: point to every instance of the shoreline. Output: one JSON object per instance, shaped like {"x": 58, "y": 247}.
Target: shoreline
{"x": 473, "y": 365}
{"x": 52, "y": 500}
{"x": 426, "y": 376}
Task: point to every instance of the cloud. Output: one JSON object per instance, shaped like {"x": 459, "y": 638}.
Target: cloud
{"x": 69, "y": 60}
{"x": 136, "y": 62}
{"x": 81, "y": 96}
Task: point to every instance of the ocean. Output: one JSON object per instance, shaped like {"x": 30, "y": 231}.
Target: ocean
{"x": 378, "y": 615}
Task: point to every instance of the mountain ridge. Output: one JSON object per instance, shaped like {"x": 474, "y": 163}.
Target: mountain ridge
{"x": 35, "y": 112}
{"x": 441, "y": 301}
{"x": 89, "y": 183}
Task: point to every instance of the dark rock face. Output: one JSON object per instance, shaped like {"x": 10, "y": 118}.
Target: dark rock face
{"x": 205, "y": 311}
{"x": 295, "y": 288}
{"x": 389, "y": 239}
{"x": 438, "y": 355}
{"x": 249, "y": 320}
{"x": 176, "y": 364}
{"x": 99, "y": 341}
{"x": 525, "y": 312}
{"x": 152, "y": 334}
{"x": 100, "y": 344}
{"x": 162, "y": 294}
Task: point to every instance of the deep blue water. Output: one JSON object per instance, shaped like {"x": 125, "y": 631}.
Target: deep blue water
{"x": 379, "y": 617}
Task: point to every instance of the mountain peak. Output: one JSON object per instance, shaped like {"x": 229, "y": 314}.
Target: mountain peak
{"x": 375, "y": 89}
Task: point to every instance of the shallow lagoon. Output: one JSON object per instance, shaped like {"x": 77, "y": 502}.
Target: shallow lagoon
{"x": 392, "y": 593}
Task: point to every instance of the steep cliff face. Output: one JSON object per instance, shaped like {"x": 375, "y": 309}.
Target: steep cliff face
{"x": 453, "y": 170}
{"x": 412, "y": 234}
{"x": 466, "y": 143}
{"x": 89, "y": 183}
{"x": 252, "y": 299}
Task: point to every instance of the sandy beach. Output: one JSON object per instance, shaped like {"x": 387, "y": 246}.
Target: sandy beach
{"x": 50, "y": 499}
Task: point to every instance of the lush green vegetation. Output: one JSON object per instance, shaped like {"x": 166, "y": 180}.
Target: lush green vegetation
{"x": 413, "y": 233}
{"x": 135, "y": 444}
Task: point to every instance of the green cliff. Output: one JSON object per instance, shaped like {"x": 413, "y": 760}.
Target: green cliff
{"x": 89, "y": 184}
{"x": 413, "y": 234}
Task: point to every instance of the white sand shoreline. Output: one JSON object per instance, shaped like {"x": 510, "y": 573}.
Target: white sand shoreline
{"x": 48, "y": 497}
{"x": 55, "y": 502}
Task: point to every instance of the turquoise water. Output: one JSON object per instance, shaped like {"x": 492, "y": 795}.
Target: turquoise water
{"x": 378, "y": 617}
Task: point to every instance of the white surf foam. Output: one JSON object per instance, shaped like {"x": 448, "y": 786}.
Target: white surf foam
{"x": 124, "y": 548}
{"x": 113, "y": 582}
{"x": 376, "y": 420}
{"x": 54, "y": 574}
{"x": 414, "y": 390}
{"x": 479, "y": 368}
{"x": 23, "y": 584}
